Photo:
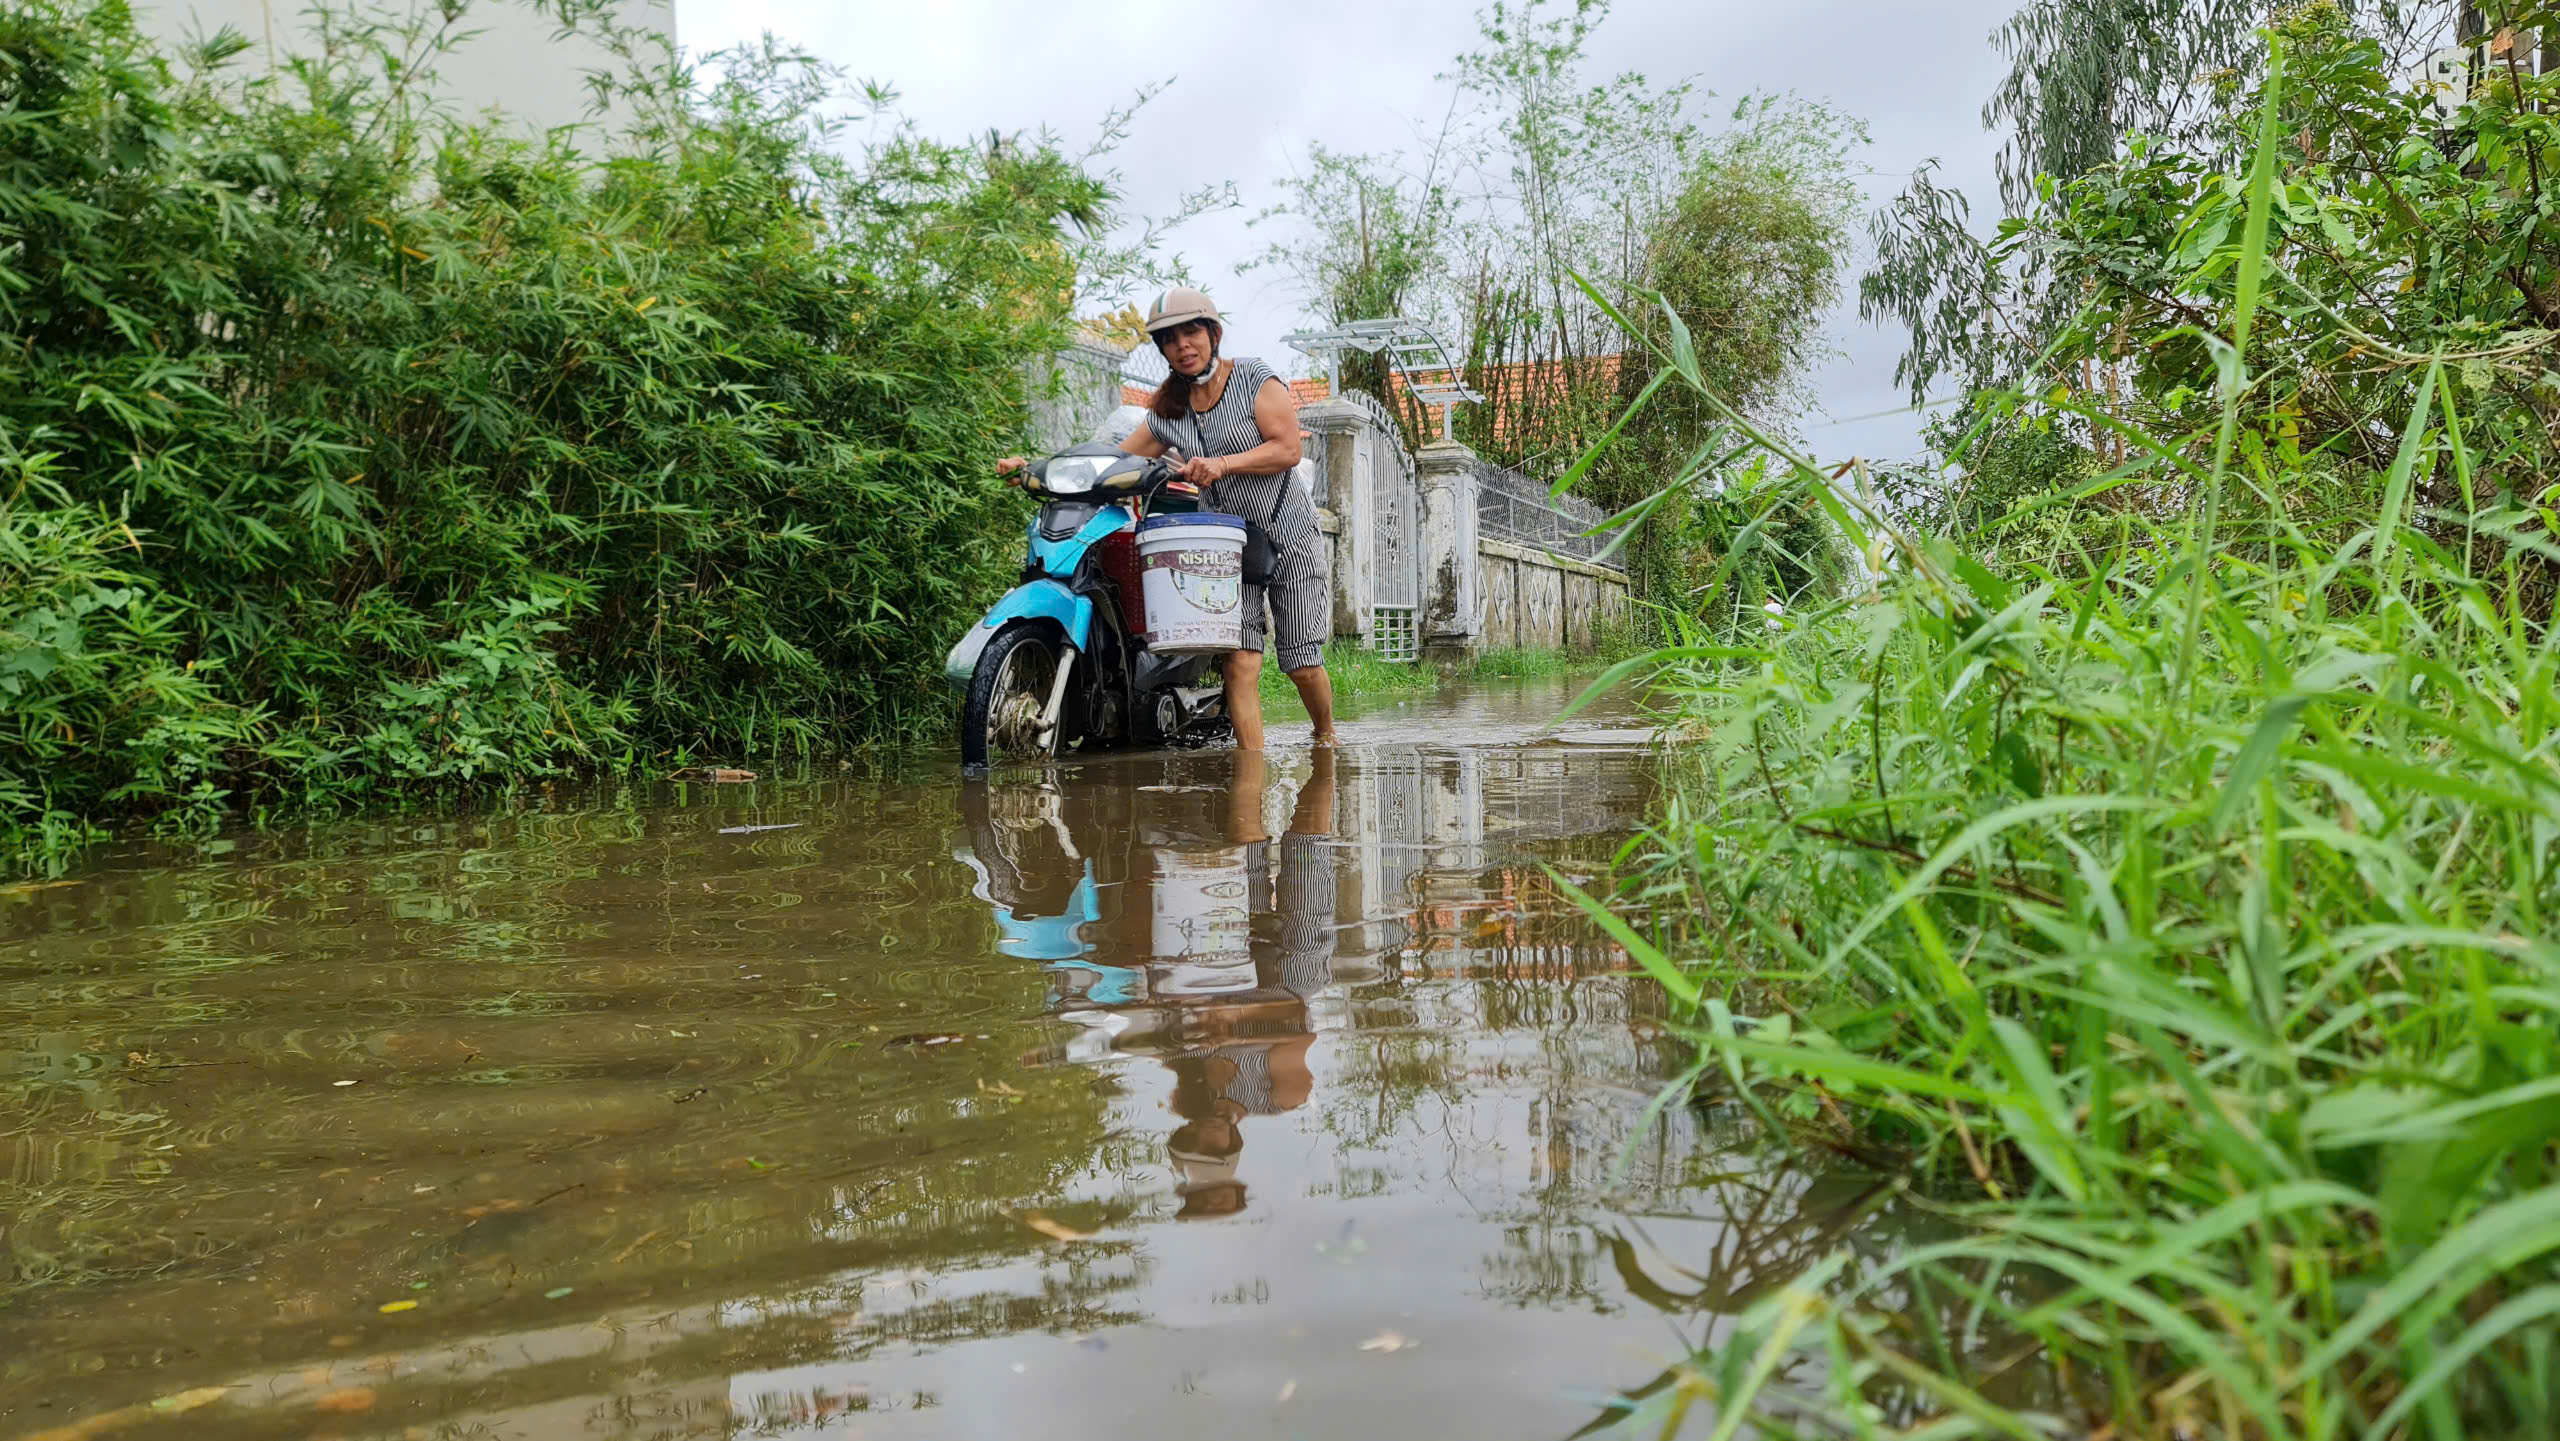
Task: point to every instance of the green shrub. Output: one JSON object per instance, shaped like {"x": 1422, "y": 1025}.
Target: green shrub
{"x": 349, "y": 452}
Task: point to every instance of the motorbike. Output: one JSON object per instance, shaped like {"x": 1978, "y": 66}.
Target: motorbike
{"x": 1139, "y": 911}
{"x": 1060, "y": 663}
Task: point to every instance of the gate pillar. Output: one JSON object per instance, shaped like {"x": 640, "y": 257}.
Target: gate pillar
{"x": 1452, "y": 619}
{"x": 1345, "y": 482}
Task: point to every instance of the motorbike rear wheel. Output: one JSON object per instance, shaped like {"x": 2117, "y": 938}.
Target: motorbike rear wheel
{"x": 1000, "y": 718}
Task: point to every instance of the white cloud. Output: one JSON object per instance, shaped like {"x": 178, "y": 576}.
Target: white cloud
{"x": 1255, "y": 85}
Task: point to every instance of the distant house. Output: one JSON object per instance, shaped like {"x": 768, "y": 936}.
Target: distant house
{"x": 513, "y": 60}
{"x": 1513, "y": 390}
{"x": 1307, "y": 392}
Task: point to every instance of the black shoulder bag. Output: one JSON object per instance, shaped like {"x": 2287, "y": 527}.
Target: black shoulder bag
{"x": 1261, "y": 557}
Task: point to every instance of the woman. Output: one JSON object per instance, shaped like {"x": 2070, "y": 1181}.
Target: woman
{"x": 1233, "y": 427}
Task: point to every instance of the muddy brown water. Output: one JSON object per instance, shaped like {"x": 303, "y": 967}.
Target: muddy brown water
{"x": 1152, "y": 1096}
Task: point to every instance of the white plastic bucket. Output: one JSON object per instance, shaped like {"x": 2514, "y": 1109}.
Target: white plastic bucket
{"x": 1200, "y": 976}
{"x": 1193, "y": 569}
{"x": 1203, "y": 905}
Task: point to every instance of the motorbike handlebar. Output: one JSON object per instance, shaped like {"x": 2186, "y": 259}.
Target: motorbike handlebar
{"x": 1148, "y": 477}
{"x": 1145, "y": 480}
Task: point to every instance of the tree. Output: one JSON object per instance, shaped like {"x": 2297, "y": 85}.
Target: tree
{"x": 1569, "y": 178}
{"x": 1533, "y": 175}
{"x": 1369, "y": 240}
{"x": 1751, "y": 257}
{"x": 1538, "y": 183}
{"x": 2081, "y": 77}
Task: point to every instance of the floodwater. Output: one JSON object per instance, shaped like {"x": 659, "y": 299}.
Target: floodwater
{"x": 1153, "y": 1096}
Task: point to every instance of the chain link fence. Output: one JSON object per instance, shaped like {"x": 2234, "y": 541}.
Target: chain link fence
{"x": 1511, "y": 507}
{"x": 1144, "y": 366}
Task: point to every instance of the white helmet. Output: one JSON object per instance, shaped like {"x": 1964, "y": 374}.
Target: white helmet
{"x": 1179, "y": 307}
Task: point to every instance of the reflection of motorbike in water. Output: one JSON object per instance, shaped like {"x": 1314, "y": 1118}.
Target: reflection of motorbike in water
{"x": 1171, "y": 924}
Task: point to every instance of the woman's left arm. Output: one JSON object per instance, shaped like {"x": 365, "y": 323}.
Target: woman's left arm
{"x": 1277, "y": 419}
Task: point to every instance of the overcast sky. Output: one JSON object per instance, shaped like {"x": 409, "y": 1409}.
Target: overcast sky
{"x": 1254, "y": 85}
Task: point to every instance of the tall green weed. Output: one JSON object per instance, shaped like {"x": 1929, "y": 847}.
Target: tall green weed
{"x": 2182, "y": 922}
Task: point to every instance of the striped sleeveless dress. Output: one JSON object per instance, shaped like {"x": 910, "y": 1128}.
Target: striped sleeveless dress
{"x": 1300, "y": 591}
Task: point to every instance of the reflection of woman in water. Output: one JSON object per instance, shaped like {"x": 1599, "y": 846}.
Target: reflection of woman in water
{"x": 1131, "y": 915}
{"x": 1293, "y": 911}
{"x": 1258, "y": 1073}
{"x": 1205, "y": 1146}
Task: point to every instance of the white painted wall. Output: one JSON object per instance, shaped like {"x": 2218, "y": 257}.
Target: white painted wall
{"x": 512, "y": 64}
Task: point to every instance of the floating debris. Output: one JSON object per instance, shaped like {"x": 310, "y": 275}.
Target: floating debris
{"x": 1623, "y": 738}
{"x": 753, "y": 830}
{"x": 721, "y": 775}
{"x": 189, "y": 1400}
{"x": 1054, "y": 1230}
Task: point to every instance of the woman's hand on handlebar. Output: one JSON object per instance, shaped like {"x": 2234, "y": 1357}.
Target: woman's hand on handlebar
{"x": 1015, "y": 470}
{"x": 1202, "y": 469}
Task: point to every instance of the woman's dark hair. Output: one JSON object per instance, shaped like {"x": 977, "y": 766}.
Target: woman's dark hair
{"x": 1173, "y": 398}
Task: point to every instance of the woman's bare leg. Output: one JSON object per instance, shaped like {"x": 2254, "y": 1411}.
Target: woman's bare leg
{"x": 1315, "y": 691}
{"x": 1243, "y": 670}
{"x": 1248, "y": 777}
{"x": 1314, "y": 815}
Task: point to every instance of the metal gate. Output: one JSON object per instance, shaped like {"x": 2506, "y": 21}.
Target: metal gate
{"x": 1395, "y": 584}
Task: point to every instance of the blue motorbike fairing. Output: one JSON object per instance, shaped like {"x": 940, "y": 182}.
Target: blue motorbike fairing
{"x": 1052, "y": 938}
{"x": 1061, "y": 557}
{"x": 1041, "y": 599}
{"x": 1046, "y": 598}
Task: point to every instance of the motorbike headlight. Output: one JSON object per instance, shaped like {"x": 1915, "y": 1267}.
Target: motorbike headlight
{"x": 1071, "y": 474}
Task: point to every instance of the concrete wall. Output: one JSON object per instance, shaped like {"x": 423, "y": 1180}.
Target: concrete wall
{"x": 512, "y": 65}
{"x": 1500, "y": 587}
{"x": 1538, "y": 600}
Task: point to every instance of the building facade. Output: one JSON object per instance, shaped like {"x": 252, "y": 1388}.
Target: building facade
{"x": 511, "y": 60}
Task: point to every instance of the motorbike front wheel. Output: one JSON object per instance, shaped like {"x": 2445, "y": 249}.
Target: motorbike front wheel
{"x": 1000, "y": 719}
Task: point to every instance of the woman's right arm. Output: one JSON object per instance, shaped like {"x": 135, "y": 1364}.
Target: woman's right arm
{"x": 1141, "y": 441}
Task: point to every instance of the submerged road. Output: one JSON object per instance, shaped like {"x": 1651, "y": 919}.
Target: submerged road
{"x": 1150, "y": 1096}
